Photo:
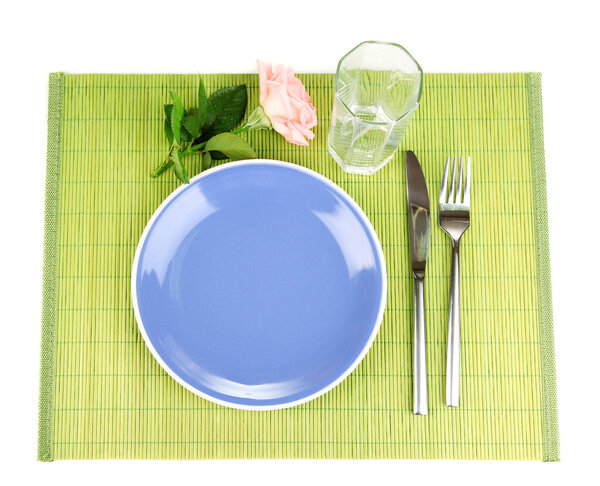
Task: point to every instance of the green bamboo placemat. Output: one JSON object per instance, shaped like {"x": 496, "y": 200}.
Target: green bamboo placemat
{"x": 102, "y": 394}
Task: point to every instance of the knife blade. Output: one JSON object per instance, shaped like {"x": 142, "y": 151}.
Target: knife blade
{"x": 419, "y": 224}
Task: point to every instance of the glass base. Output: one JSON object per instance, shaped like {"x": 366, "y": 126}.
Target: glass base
{"x": 358, "y": 169}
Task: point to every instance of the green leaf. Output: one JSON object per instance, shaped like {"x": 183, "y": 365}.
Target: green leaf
{"x": 226, "y": 109}
{"x": 195, "y": 113}
{"x": 167, "y": 125}
{"x": 191, "y": 124}
{"x": 216, "y": 155}
{"x": 176, "y": 116}
{"x": 168, "y": 132}
{"x": 234, "y": 147}
{"x": 178, "y": 167}
{"x": 206, "y": 160}
{"x": 202, "y": 110}
{"x": 185, "y": 135}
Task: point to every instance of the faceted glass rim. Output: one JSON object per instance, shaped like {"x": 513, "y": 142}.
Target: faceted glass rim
{"x": 408, "y": 111}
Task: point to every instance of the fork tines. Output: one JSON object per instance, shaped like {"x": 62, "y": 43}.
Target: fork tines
{"x": 456, "y": 195}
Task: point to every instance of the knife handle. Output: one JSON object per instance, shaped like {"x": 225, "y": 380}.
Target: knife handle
{"x": 419, "y": 353}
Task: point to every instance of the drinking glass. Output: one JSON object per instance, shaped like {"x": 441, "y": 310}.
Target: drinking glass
{"x": 378, "y": 87}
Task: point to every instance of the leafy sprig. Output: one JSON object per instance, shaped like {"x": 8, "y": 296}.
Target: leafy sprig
{"x": 207, "y": 130}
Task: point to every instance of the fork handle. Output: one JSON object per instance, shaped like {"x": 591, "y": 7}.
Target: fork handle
{"x": 453, "y": 358}
{"x": 419, "y": 353}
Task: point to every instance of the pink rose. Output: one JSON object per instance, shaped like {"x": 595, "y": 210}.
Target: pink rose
{"x": 286, "y": 103}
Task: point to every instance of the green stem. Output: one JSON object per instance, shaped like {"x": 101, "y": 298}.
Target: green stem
{"x": 192, "y": 149}
{"x": 243, "y": 129}
{"x": 163, "y": 166}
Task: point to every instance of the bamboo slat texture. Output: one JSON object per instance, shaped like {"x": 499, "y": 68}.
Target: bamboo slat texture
{"x": 104, "y": 396}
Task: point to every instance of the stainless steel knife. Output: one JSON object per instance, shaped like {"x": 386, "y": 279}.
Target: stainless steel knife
{"x": 419, "y": 223}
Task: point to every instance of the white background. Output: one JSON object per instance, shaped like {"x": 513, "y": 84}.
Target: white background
{"x": 560, "y": 39}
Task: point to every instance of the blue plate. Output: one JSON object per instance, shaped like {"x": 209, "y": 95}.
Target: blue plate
{"x": 260, "y": 285}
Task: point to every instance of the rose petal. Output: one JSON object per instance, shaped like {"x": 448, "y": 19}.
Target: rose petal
{"x": 304, "y": 131}
{"x": 264, "y": 73}
{"x": 294, "y": 136}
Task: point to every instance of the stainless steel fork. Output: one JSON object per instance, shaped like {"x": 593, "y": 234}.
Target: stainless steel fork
{"x": 454, "y": 218}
